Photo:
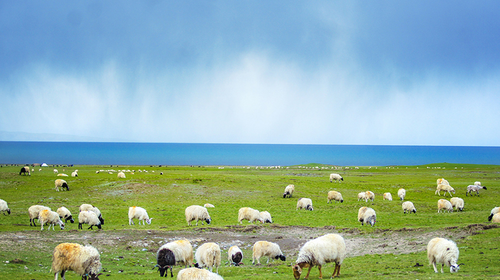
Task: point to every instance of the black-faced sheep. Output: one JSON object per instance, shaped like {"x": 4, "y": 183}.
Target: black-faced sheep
{"x": 65, "y": 214}
{"x": 458, "y": 203}
{"x": 266, "y": 249}
{"x": 444, "y": 251}
{"x": 34, "y": 211}
{"x": 90, "y": 218}
{"x": 493, "y": 212}
{"x": 304, "y": 203}
{"x": 24, "y": 170}
{"x": 88, "y": 207}
{"x": 495, "y": 218}
{"x": 288, "y": 191}
{"x": 250, "y": 214}
{"x": 4, "y": 207}
{"x": 74, "y": 173}
{"x": 402, "y": 194}
{"x": 474, "y": 188}
{"x": 444, "y": 205}
{"x": 197, "y": 213}
{"x": 367, "y": 215}
{"x": 336, "y": 177}
{"x": 266, "y": 217}
{"x": 408, "y": 207}
{"x": 60, "y": 183}
{"x": 139, "y": 213}
{"x": 194, "y": 273}
{"x": 83, "y": 260}
{"x": 208, "y": 255}
{"x": 334, "y": 195}
{"x": 51, "y": 218}
{"x": 234, "y": 255}
{"x": 387, "y": 196}
{"x": 173, "y": 253}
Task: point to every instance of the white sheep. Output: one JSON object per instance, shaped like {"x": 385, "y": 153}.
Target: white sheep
{"x": 121, "y": 175}
{"x": 458, "y": 203}
{"x": 387, "y": 196}
{"x": 62, "y": 175}
{"x": 51, "y": 218}
{"x": 445, "y": 188}
{"x": 173, "y": 253}
{"x": 474, "y": 188}
{"x": 444, "y": 205}
{"x": 208, "y": 255}
{"x": 83, "y": 260}
{"x": 234, "y": 255}
{"x": 367, "y": 215}
{"x": 361, "y": 196}
{"x": 288, "y": 191}
{"x": 266, "y": 217}
{"x": 194, "y": 273}
{"x": 336, "y": 177}
{"x": 305, "y": 203}
{"x": 33, "y": 212}
{"x": 24, "y": 170}
{"x": 495, "y": 218}
{"x": 89, "y": 207}
{"x": 493, "y": 212}
{"x": 334, "y": 195}
{"x": 139, "y": 213}
{"x": 197, "y": 213}
{"x": 402, "y": 194}
{"x": 477, "y": 183}
{"x": 65, "y": 214}
{"x": 369, "y": 196}
{"x": 90, "y": 218}
{"x": 266, "y": 249}
{"x": 444, "y": 251}
{"x": 208, "y": 205}
{"x": 74, "y": 173}
{"x": 320, "y": 251}
{"x": 4, "y": 207}
{"x": 60, "y": 183}
{"x": 408, "y": 207}
{"x": 250, "y": 214}
{"x": 442, "y": 181}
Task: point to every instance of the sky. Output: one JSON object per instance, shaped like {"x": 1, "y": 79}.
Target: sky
{"x": 271, "y": 72}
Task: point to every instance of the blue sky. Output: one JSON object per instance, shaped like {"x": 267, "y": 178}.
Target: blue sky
{"x": 301, "y": 72}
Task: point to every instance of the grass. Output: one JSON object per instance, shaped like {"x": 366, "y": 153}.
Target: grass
{"x": 128, "y": 252}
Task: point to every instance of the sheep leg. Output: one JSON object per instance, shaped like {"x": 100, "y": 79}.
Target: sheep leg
{"x": 434, "y": 266}
{"x": 309, "y": 270}
{"x": 442, "y": 265}
{"x": 130, "y": 222}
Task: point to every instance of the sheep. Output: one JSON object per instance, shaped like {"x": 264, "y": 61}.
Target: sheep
{"x": 24, "y": 170}
{"x": 208, "y": 255}
{"x": 121, "y": 175}
{"x": 336, "y": 177}
{"x": 408, "y": 207}
{"x": 334, "y": 195}
{"x": 442, "y": 181}
{"x": 367, "y": 215}
{"x": 60, "y": 183}
{"x": 33, "y": 212}
{"x": 266, "y": 249}
{"x": 304, "y": 203}
{"x": 51, "y": 218}
{"x": 194, "y": 273}
{"x": 74, "y": 173}
{"x": 493, "y": 212}
{"x": 289, "y": 191}
{"x": 369, "y": 196}
{"x": 458, "y": 203}
{"x": 474, "y": 188}
{"x": 402, "y": 194}
{"x": 65, "y": 214}
{"x": 90, "y": 218}
{"x": 387, "y": 196}
{"x": 444, "y": 205}
{"x": 319, "y": 251}
{"x": 247, "y": 213}
{"x": 172, "y": 253}
{"x": 361, "y": 196}
{"x": 197, "y": 213}
{"x": 139, "y": 213}
{"x": 56, "y": 171}
{"x": 4, "y": 207}
{"x": 88, "y": 207}
{"x": 477, "y": 183}
{"x": 83, "y": 260}
{"x": 266, "y": 217}
{"x": 444, "y": 251}
{"x": 445, "y": 188}
{"x": 496, "y": 218}
{"x": 62, "y": 175}
{"x": 234, "y": 255}
{"x": 208, "y": 205}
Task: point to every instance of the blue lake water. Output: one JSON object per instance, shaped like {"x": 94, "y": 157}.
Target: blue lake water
{"x": 105, "y": 153}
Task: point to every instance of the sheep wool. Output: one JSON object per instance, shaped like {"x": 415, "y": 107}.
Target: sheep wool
{"x": 493, "y": 212}
{"x": 336, "y": 177}
{"x": 60, "y": 183}
{"x": 65, "y": 214}
{"x": 408, "y": 207}
{"x": 247, "y": 213}
{"x": 402, "y": 194}
{"x": 4, "y": 207}
{"x": 496, "y": 218}
{"x": 443, "y": 251}
{"x": 266, "y": 249}
{"x": 208, "y": 255}
{"x": 458, "y": 203}
{"x": 90, "y": 218}
{"x": 139, "y": 213}
{"x": 334, "y": 195}
{"x": 234, "y": 255}
{"x": 444, "y": 205}
{"x": 197, "y": 213}
{"x": 387, "y": 196}
{"x": 288, "y": 191}
{"x": 51, "y": 218}
{"x": 83, "y": 260}
{"x": 34, "y": 211}
{"x": 305, "y": 203}
{"x": 367, "y": 215}
{"x": 194, "y": 273}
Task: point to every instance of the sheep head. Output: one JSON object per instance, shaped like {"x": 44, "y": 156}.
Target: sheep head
{"x": 454, "y": 268}
{"x": 208, "y": 220}
{"x": 297, "y": 271}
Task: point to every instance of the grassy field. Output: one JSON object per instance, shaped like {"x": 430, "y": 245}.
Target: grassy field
{"x": 393, "y": 248}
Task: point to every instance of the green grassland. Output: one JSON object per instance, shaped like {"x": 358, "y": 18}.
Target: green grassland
{"x": 128, "y": 252}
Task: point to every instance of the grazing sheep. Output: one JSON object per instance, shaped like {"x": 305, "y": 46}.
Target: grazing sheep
{"x": 474, "y": 188}
{"x": 402, "y": 194}
{"x": 83, "y": 260}
{"x": 387, "y": 196}
{"x": 90, "y": 218}
{"x": 197, "y": 213}
{"x": 334, "y": 195}
{"x": 320, "y": 251}
{"x": 33, "y": 212}
{"x": 266, "y": 249}
{"x": 208, "y": 205}
{"x": 4, "y": 207}
{"x": 60, "y": 183}
{"x": 408, "y": 207}
{"x": 172, "y": 253}
{"x": 56, "y": 171}
{"x": 266, "y": 217}
{"x": 477, "y": 183}
{"x": 367, "y": 215}
{"x": 74, "y": 173}
{"x": 65, "y": 214}
{"x": 496, "y": 218}
{"x": 51, "y": 218}
{"x": 444, "y": 251}
{"x": 336, "y": 177}
{"x": 208, "y": 255}
{"x": 234, "y": 255}
{"x": 445, "y": 188}
{"x": 444, "y": 205}
{"x": 493, "y": 212}
{"x": 62, "y": 175}
{"x": 88, "y": 207}
{"x": 121, "y": 175}
{"x": 369, "y": 196}
{"x": 194, "y": 273}
{"x": 305, "y": 203}
{"x": 247, "y": 213}
{"x": 442, "y": 181}
{"x": 289, "y": 191}
{"x": 458, "y": 203}
{"x": 139, "y": 213}
{"x": 25, "y": 170}
{"x": 362, "y": 196}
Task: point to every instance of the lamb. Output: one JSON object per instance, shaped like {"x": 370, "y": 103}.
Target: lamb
{"x": 60, "y": 183}
{"x": 408, "y": 207}
{"x": 496, "y": 218}
{"x": 369, "y": 196}
{"x": 65, "y": 214}
{"x": 84, "y": 260}
{"x": 172, "y": 253}
{"x": 305, "y": 203}
{"x": 90, "y": 218}
{"x": 121, "y": 175}
{"x": 4, "y": 207}
{"x": 444, "y": 251}
{"x": 362, "y": 196}
{"x": 334, "y": 195}
{"x": 387, "y": 196}
{"x": 474, "y": 188}
{"x": 51, "y": 218}
{"x": 402, "y": 194}
{"x": 208, "y": 255}
{"x": 194, "y": 273}
{"x": 88, "y": 207}
{"x": 208, "y": 205}
{"x": 320, "y": 251}
{"x": 266, "y": 249}
{"x": 493, "y": 212}
{"x": 247, "y": 213}
{"x": 139, "y": 213}
{"x": 24, "y": 170}
{"x": 266, "y": 217}
{"x": 33, "y": 212}
{"x": 336, "y": 177}
{"x": 234, "y": 255}
{"x": 289, "y": 191}
{"x": 197, "y": 213}
{"x": 444, "y": 205}
{"x": 458, "y": 203}
{"x": 445, "y": 188}
{"x": 367, "y": 215}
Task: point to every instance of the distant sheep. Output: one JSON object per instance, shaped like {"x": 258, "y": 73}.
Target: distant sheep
{"x": 90, "y": 218}
{"x": 474, "y": 188}
{"x": 121, "y": 175}
{"x": 4, "y": 207}
{"x": 208, "y": 205}
{"x": 197, "y": 213}
{"x": 60, "y": 183}
{"x": 336, "y": 177}
{"x": 362, "y": 196}
{"x": 444, "y": 251}
{"x": 288, "y": 191}
{"x": 408, "y": 207}
{"x": 139, "y": 213}
{"x": 208, "y": 255}
{"x": 367, "y": 215}
{"x": 234, "y": 255}
{"x": 51, "y": 218}
{"x": 369, "y": 196}
{"x": 477, "y": 183}
{"x": 174, "y": 253}
{"x": 493, "y": 212}
{"x": 56, "y": 171}
{"x": 304, "y": 203}
{"x": 83, "y": 260}
{"x": 266, "y": 249}
{"x": 334, "y": 195}
{"x": 65, "y": 214}
{"x": 402, "y": 194}
{"x": 387, "y": 196}
{"x": 89, "y": 207}
{"x": 250, "y": 214}
{"x": 320, "y": 251}
{"x": 34, "y": 211}
{"x": 266, "y": 217}
{"x": 444, "y": 205}
{"x": 458, "y": 203}
{"x": 25, "y": 170}
{"x": 62, "y": 175}
{"x": 496, "y": 218}
{"x": 445, "y": 188}
{"x": 194, "y": 273}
